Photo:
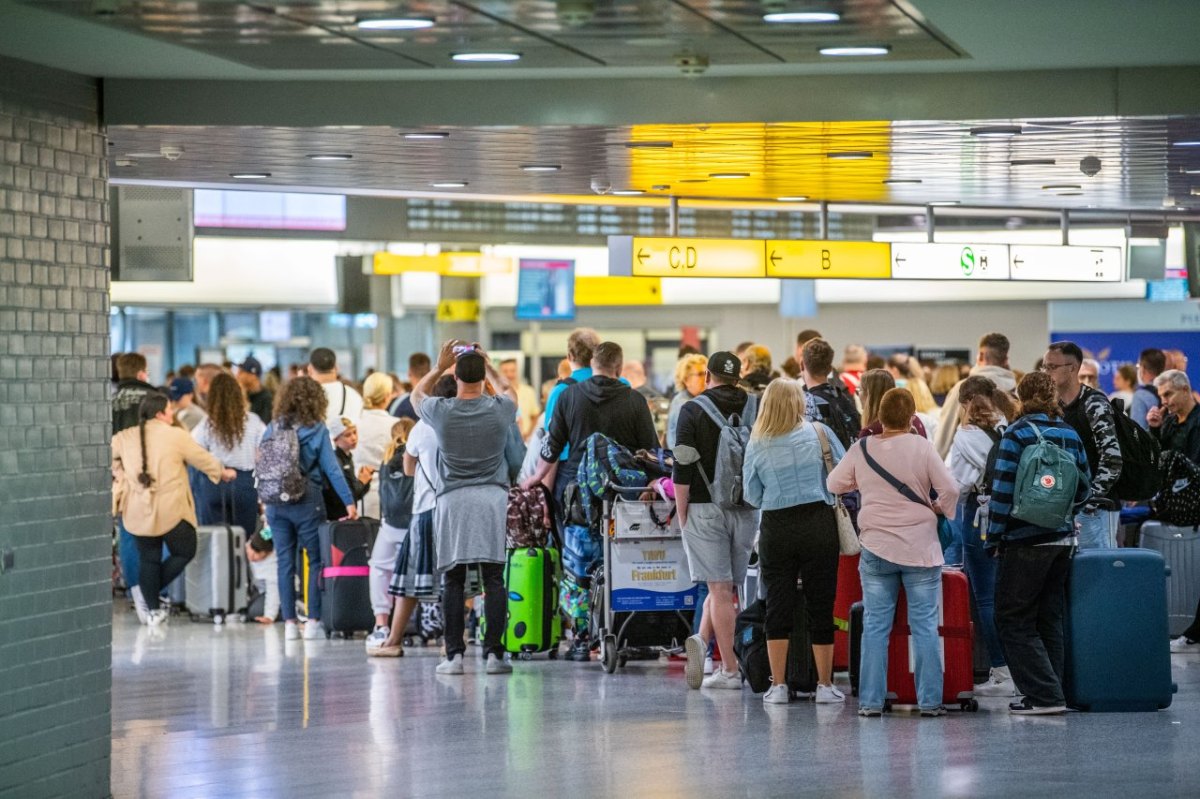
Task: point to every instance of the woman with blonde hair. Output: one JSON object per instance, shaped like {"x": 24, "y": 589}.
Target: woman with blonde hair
{"x": 689, "y": 382}
{"x": 374, "y": 433}
{"x": 927, "y": 409}
{"x": 231, "y": 433}
{"x": 945, "y": 378}
{"x": 786, "y": 465}
{"x": 756, "y": 368}
{"x": 395, "y": 506}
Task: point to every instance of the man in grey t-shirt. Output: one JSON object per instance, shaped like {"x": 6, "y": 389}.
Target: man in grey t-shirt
{"x": 472, "y": 502}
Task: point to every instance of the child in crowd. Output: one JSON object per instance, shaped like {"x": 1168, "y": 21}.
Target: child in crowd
{"x": 395, "y": 505}
{"x": 344, "y": 435}
{"x": 260, "y": 554}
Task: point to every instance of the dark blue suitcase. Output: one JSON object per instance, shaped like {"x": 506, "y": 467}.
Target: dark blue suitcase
{"x": 1118, "y": 649}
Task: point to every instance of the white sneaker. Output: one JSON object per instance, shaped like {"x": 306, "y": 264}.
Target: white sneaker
{"x": 451, "y": 665}
{"x": 708, "y": 666}
{"x": 157, "y": 618}
{"x": 378, "y": 636}
{"x": 1182, "y": 644}
{"x": 313, "y": 630}
{"x": 999, "y": 683}
{"x": 723, "y": 679}
{"x": 497, "y": 665}
{"x": 829, "y": 695}
{"x": 777, "y": 695}
{"x": 695, "y": 649}
{"x": 291, "y": 631}
{"x": 139, "y": 604}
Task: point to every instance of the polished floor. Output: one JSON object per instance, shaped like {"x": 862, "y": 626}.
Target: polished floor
{"x": 204, "y": 711}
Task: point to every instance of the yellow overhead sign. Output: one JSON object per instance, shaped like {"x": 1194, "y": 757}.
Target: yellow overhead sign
{"x": 674, "y": 257}
{"x": 458, "y": 311}
{"x": 449, "y": 264}
{"x": 618, "y": 291}
{"x": 828, "y": 259}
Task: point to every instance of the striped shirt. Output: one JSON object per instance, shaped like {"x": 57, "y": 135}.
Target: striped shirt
{"x": 240, "y": 457}
{"x": 1003, "y": 527}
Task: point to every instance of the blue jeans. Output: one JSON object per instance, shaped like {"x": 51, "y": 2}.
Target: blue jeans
{"x": 234, "y": 503}
{"x": 981, "y": 572}
{"x": 293, "y": 525}
{"x": 881, "y": 581}
{"x": 1097, "y": 530}
{"x": 962, "y": 528}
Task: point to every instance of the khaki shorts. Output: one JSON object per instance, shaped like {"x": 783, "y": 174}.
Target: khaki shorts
{"x": 718, "y": 542}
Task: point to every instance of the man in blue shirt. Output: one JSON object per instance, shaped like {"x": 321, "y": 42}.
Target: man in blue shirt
{"x": 1151, "y": 364}
{"x": 581, "y": 345}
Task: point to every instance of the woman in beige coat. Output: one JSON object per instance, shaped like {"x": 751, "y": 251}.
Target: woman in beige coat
{"x": 151, "y": 488}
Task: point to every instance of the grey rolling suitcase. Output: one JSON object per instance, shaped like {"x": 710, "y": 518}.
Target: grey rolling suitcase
{"x": 1180, "y": 547}
{"x": 217, "y": 579}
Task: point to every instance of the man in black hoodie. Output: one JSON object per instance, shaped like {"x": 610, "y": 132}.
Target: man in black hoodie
{"x": 600, "y": 404}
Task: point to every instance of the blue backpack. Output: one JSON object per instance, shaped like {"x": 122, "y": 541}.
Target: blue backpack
{"x": 605, "y": 468}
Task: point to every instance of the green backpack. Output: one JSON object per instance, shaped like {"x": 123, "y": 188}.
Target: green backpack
{"x": 1047, "y": 477}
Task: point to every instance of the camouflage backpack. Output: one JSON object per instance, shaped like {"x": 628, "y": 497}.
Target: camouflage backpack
{"x": 529, "y": 520}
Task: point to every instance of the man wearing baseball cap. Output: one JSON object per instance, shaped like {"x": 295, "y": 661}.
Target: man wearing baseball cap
{"x": 249, "y": 377}
{"x": 717, "y": 540}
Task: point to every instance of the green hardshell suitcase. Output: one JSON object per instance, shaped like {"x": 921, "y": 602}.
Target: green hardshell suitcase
{"x": 531, "y": 577}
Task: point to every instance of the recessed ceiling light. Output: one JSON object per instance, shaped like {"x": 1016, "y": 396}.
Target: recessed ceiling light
{"x": 393, "y": 23}
{"x": 796, "y": 198}
{"x": 1061, "y": 187}
{"x": 427, "y": 134}
{"x": 1031, "y": 162}
{"x": 996, "y": 131}
{"x": 541, "y": 167}
{"x": 801, "y": 17}
{"x": 1190, "y": 143}
{"x": 486, "y": 58}
{"x": 856, "y": 50}
{"x": 944, "y": 202}
{"x": 627, "y": 192}
{"x": 851, "y": 155}
{"x": 249, "y": 175}
{"x": 125, "y": 162}
{"x": 448, "y": 184}
{"x": 901, "y": 181}
{"x": 1191, "y": 171}
{"x": 649, "y": 145}
{"x": 728, "y": 175}
{"x": 329, "y": 157}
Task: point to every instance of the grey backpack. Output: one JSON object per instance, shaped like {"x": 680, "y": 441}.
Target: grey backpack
{"x": 725, "y": 487}
{"x": 277, "y": 475}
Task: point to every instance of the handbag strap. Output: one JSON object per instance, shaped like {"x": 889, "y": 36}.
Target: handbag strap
{"x": 892, "y": 480}
{"x": 826, "y": 450}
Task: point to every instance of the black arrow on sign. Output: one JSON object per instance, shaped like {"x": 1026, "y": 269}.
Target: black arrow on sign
{"x": 642, "y": 255}
{"x": 775, "y": 258}
{"x": 1018, "y": 261}
{"x": 900, "y": 260}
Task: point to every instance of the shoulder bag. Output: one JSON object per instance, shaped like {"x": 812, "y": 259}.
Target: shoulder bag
{"x": 847, "y": 537}
{"x": 945, "y": 531}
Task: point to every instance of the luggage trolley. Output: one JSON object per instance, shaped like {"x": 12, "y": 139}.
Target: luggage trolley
{"x": 645, "y": 598}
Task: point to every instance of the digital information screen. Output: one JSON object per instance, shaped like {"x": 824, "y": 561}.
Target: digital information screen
{"x": 545, "y": 290}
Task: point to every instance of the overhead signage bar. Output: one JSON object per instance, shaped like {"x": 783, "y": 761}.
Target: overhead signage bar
{"x": 618, "y": 291}
{"x": 635, "y": 256}
{"x": 448, "y": 264}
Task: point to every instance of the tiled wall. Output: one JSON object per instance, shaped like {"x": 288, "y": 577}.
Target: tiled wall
{"x": 55, "y": 600}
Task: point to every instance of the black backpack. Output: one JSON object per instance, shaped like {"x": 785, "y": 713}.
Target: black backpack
{"x": 1178, "y": 501}
{"x": 837, "y": 410}
{"x": 989, "y": 468}
{"x": 1140, "y": 455}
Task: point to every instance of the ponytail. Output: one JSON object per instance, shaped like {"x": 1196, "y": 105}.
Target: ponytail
{"x": 153, "y": 404}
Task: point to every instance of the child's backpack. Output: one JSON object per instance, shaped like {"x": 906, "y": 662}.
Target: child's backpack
{"x": 1047, "y": 478}
{"x": 396, "y": 492}
{"x": 529, "y": 521}
{"x": 1178, "y": 500}
{"x": 277, "y": 475}
{"x": 605, "y": 468}
{"x": 725, "y": 486}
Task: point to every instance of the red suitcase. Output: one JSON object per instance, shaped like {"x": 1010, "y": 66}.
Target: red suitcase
{"x": 957, "y": 639}
{"x": 849, "y": 591}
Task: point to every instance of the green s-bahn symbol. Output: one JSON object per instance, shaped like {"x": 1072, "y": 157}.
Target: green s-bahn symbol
{"x": 967, "y": 261}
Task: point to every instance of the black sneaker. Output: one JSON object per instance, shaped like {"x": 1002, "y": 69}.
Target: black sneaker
{"x": 580, "y": 652}
{"x": 1027, "y": 708}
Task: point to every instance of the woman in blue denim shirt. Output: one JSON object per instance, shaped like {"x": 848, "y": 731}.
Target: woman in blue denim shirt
{"x": 784, "y": 475}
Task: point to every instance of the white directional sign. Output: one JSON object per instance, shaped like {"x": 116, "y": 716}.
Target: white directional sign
{"x": 950, "y": 261}
{"x": 1071, "y": 264}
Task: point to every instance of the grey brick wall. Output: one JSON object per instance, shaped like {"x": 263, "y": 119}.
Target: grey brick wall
{"x": 55, "y": 603}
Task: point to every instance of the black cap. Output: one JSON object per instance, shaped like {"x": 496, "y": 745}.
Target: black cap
{"x": 470, "y": 368}
{"x": 252, "y": 366}
{"x": 725, "y": 364}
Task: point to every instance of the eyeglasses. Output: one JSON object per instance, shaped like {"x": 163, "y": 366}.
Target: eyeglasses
{"x": 1050, "y": 368}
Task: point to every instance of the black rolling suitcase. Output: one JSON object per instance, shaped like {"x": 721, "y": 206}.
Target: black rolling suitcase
{"x": 750, "y": 645}
{"x": 345, "y": 576}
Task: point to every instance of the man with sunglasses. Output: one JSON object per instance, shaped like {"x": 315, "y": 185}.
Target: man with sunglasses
{"x": 1088, "y": 411}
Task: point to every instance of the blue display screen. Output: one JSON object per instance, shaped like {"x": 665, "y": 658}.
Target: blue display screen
{"x": 545, "y": 290}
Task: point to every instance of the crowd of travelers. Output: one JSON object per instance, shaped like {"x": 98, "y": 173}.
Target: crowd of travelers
{"x": 916, "y": 461}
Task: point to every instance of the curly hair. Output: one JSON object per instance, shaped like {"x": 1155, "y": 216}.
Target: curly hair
{"x": 983, "y": 403}
{"x": 1038, "y": 395}
{"x": 227, "y": 410}
{"x": 302, "y": 402}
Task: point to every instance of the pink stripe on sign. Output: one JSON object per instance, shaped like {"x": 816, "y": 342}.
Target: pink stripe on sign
{"x": 346, "y": 571}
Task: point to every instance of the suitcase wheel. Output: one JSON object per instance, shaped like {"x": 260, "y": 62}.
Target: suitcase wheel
{"x": 554, "y": 652}
{"x": 525, "y": 656}
{"x": 969, "y": 705}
